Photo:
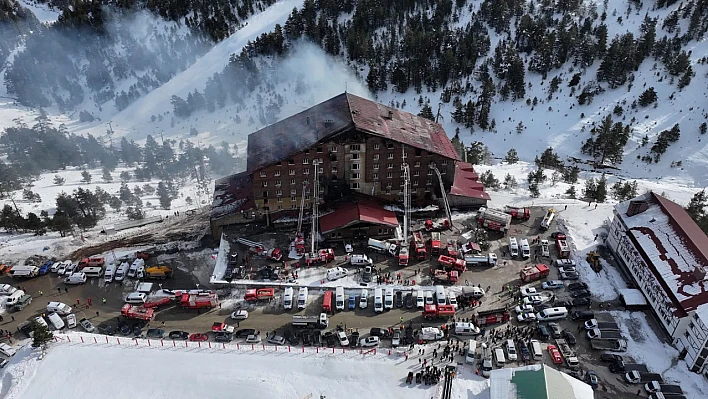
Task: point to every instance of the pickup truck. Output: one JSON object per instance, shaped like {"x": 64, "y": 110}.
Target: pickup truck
{"x": 612, "y": 345}
{"x": 637, "y": 377}
{"x": 222, "y": 327}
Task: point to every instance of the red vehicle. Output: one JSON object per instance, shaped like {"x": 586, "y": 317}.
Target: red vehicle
{"x": 420, "y": 251}
{"x": 299, "y": 245}
{"x": 137, "y": 312}
{"x": 437, "y": 226}
{"x": 142, "y": 255}
{"x": 439, "y": 312}
{"x": 221, "y": 326}
{"x": 442, "y": 276}
{"x": 199, "y": 301}
{"x": 518, "y": 213}
{"x": 435, "y": 243}
{"x": 322, "y": 256}
{"x": 403, "y": 256}
{"x": 555, "y": 354}
{"x": 452, "y": 248}
{"x": 452, "y": 263}
{"x": 260, "y": 294}
{"x": 533, "y": 273}
{"x": 327, "y": 302}
{"x": 492, "y": 316}
{"x": 274, "y": 254}
{"x": 199, "y": 337}
{"x": 562, "y": 246}
{"x": 471, "y": 247}
{"x": 157, "y": 302}
{"x": 493, "y": 219}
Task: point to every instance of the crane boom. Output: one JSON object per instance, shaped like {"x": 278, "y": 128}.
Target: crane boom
{"x": 302, "y": 211}
{"x": 446, "y": 204}
{"x": 315, "y": 207}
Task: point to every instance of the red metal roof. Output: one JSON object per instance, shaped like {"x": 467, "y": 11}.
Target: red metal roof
{"x": 232, "y": 194}
{"x": 467, "y": 182}
{"x": 361, "y": 209}
{"x": 696, "y": 239}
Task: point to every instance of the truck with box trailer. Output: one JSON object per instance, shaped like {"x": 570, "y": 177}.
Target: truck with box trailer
{"x": 491, "y": 316}
{"x": 320, "y": 321}
{"x": 259, "y": 294}
{"x": 439, "y": 312}
{"x": 493, "y": 219}
{"x": 518, "y": 213}
{"x": 382, "y": 247}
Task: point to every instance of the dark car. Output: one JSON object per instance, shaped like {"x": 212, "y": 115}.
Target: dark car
{"x": 107, "y": 330}
{"x": 307, "y": 339}
{"x": 178, "y": 335}
{"x": 617, "y": 366}
{"x": 563, "y": 304}
{"x": 541, "y": 307}
{"x": 317, "y": 338}
{"x": 155, "y": 333}
{"x": 609, "y": 357}
{"x": 124, "y": 328}
{"x": 223, "y": 336}
{"x": 399, "y": 299}
{"x": 569, "y": 337}
{"x": 577, "y": 286}
{"x": 243, "y": 333}
{"x": 582, "y": 315}
{"x": 555, "y": 330}
{"x": 592, "y": 378}
{"x": 366, "y": 274}
{"x": 330, "y": 339}
{"x": 229, "y": 273}
{"x": 543, "y": 332}
{"x": 354, "y": 340}
{"x": 556, "y": 233}
{"x": 582, "y": 294}
{"x": 291, "y": 337}
{"x": 582, "y": 302}
{"x": 379, "y": 332}
{"x": 569, "y": 275}
{"x": 410, "y": 303}
{"x": 137, "y": 330}
{"x": 525, "y": 354}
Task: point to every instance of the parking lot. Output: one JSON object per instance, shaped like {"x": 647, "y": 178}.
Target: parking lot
{"x": 271, "y": 317}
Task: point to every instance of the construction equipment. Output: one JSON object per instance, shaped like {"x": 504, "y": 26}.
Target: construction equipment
{"x": 158, "y": 272}
{"x": 420, "y": 250}
{"x": 593, "y": 259}
{"x": 518, "y": 213}
{"x": 548, "y": 219}
{"x": 446, "y": 204}
{"x": 493, "y": 219}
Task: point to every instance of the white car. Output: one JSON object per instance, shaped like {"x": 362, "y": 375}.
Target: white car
{"x": 253, "y": 339}
{"x": 239, "y": 315}
{"x": 61, "y": 270}
{"x": 369, "y": 342}
{"x": 71, "y": 320}
{"x": 552, "y": 285}
{"x": 343, "y": 340}
{"x": 70, "y": 269}
{"x": 544, "y": 248}
{"x": 276, "y": 340}
{"x": 567, "y": 269}
{"x": 420, "y": 302}
{"x": 452, "y": 300}
{"x": 523, "y": 309}
{"x": 87, "y": 325}
{"x": 510, "y": 350}
{"x": 528, "y": 291}
{"x": 527, "y": 317}
{"x": 533, "y": 300}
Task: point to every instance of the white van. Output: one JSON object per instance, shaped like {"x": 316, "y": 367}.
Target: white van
{"x": 364, "y": 299}
{"x": 339, "y": 298}
{"x": 55, "y": 266}
{"x": 419, "y": 299}
{"x": 513, "y": 247}
{"x": 525, "y": 248}
{"x": 58, "y": 307}
{"x": 137, "y": 298}
{"x": 440, "y": 295}
{"x": 110, "y": 271}
{"x": 13, "y": 298}
{"x": 75, "y": 278}
{"x": 378, "y": 300}
{"x": 288, "y": 298}
{"x": 133, "y": 270}
{"x": 7, "y": 350}
{"x": 499, "y": 358}
{"x": 535, "y": 349}
{"x": 361, "y": 260}
{"x": 471, "y": 355}
{"x": 429, "y": 298}
{"x": 93, "y": 271}
{"x": 302, "y": 298}
{"x": 462, "y": 328}
{"x": 56, "y": 321}
{"x": 336, "y": 273}
{"x": 122, "y": 271}
{"x": 24, "y": 271}
{"x": 7, "y": 289}
{"x": 552, "y": 314}
{"x": 388, "y": 298}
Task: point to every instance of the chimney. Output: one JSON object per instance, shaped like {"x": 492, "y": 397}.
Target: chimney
{"x": 699, "y": 273}
{"x": 390, "y": 114}
{"x": 637, "y": 207}
{"x": 307, "y": 120}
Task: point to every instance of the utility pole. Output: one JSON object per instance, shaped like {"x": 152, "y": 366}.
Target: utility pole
{"x": 110, "y": 133}
{"x": 438, "y": 116}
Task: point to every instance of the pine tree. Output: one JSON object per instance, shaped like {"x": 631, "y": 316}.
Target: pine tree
{"x": 590, "y": 191}
{"x": 164, "y": 194}
{"x": 58, "y": 180}
{"x": 601, "y": 189}
{"x": 85, "y": 176}
{"x": 703, "y": 128}
{"x": 696, "y": 207}
{"x": 41, "y": 335}
{"x": 571, "y": 192}
{"x": 427, "y": 112}
{"x": 107, "y": 175}
{"x": 647, "y": 97}
{"x": 511, "y": 157}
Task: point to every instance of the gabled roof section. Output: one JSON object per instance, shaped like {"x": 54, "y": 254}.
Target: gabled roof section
{"x": 298, "y": 132}
{"x": 466, "y": 183}
{"x": 362, "y": 209}
{"x": 401, "y": 126}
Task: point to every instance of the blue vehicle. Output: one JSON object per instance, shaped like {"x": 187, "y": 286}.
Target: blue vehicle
{"x": 44, "y": 269}
{"x": 352, "y": 301}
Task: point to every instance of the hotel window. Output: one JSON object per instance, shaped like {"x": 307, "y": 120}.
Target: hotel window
{"x": 280, "y": 199}
{"x": 333, "y": 149}
{"x": 376, "y": 157}
{"x": 319, "y": 149}
{"x": 417, "y": 164}
{"x": 390, "y": 155}
{"x": 389, "y": 166}
{"x": 376, "y": 176}
{"x": 307, "y": 197}
{"x": 376, "y": 166}
{"x": 355, "y": 176}
{"x": 444, "y": 162}
{"x": 306, "y": 171}
{"x": 415, "y": 183}
{"x": 292, "y": 181}
{"x": 356, "y": 156}
{"x": 430, "y": 172}
{"x": 291, "y": 162}
{"x": 355, "y": 186}
{"x": 389, "y": 146}
{"x": 263, "y": 174}
{"x": 416, "y": 173}
{"x": 430, "y": 182}
{"x": 279, "y": 206}
{"x": 334, "y": 169}
{"x": 278, "y": 192}
{"x": 265, "y": 194}
{"x": 279, "y": 163}
{"x": 388, "y": 190}
{"x": 278, "y": 183}
{"x": 306, "y": 161}
{"x": 307, "y": 152}
{"x": 356, "y": 166}
{"x": 389, "y": 185}
{"x": 293, "y": 199}
{"x": 355, "y": 147}
{"x": 277, "y": 173}
{"x": 443, "y": 171}
{"x": 376, "y": 146}
{"x": 264, "y": 184}
{"x": 293, "y": 192}
{"x": 389, "y": 175}
{"x": 418, "y": 152}
{"x": 291, "y": 172}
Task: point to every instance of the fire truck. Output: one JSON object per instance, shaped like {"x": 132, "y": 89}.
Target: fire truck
{"x": 533, "y": 273}
{"x": 562, "y": 246}
{"x": 435, "y": 243}
{"x": 403, "y": 256}
{"x": 207, "y": 300}
{"x": 260, "y": 294}
{"x": 420, "y": 251}
{"x": 452, "y": 248}
{"x": 321, "y": 256}
{"x": 518, "y": 213}
{"x": 137, "y": 312}
{"x": 259, "y": 249}
{"x": 452, "y": 263}
{"x": 437, "y": 225}
{"x": 157, "y": 302}
{"x": 491, "y": 316}
{"x": 439, "y": 312}
{"x": 493, "y": 219}
{"x": 444, "y": 277}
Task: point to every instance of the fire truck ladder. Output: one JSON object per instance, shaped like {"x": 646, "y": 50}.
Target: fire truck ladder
{"x": 302, "y": 211}
{"x": 315, "y": 207}
{"x": 406, "y": 199}
{"x": 442, "y": 192}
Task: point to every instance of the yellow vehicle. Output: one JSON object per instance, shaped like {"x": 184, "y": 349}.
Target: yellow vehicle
{"x": 158, "y": 272}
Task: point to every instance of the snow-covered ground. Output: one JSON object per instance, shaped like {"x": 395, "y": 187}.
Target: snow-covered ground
{"x": 176, "y": 371}
{"x": 43, "y": 12}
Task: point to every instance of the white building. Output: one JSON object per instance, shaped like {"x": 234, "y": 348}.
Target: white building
{"x": 666, "y": 254}
{"x": 536, "y": 381}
